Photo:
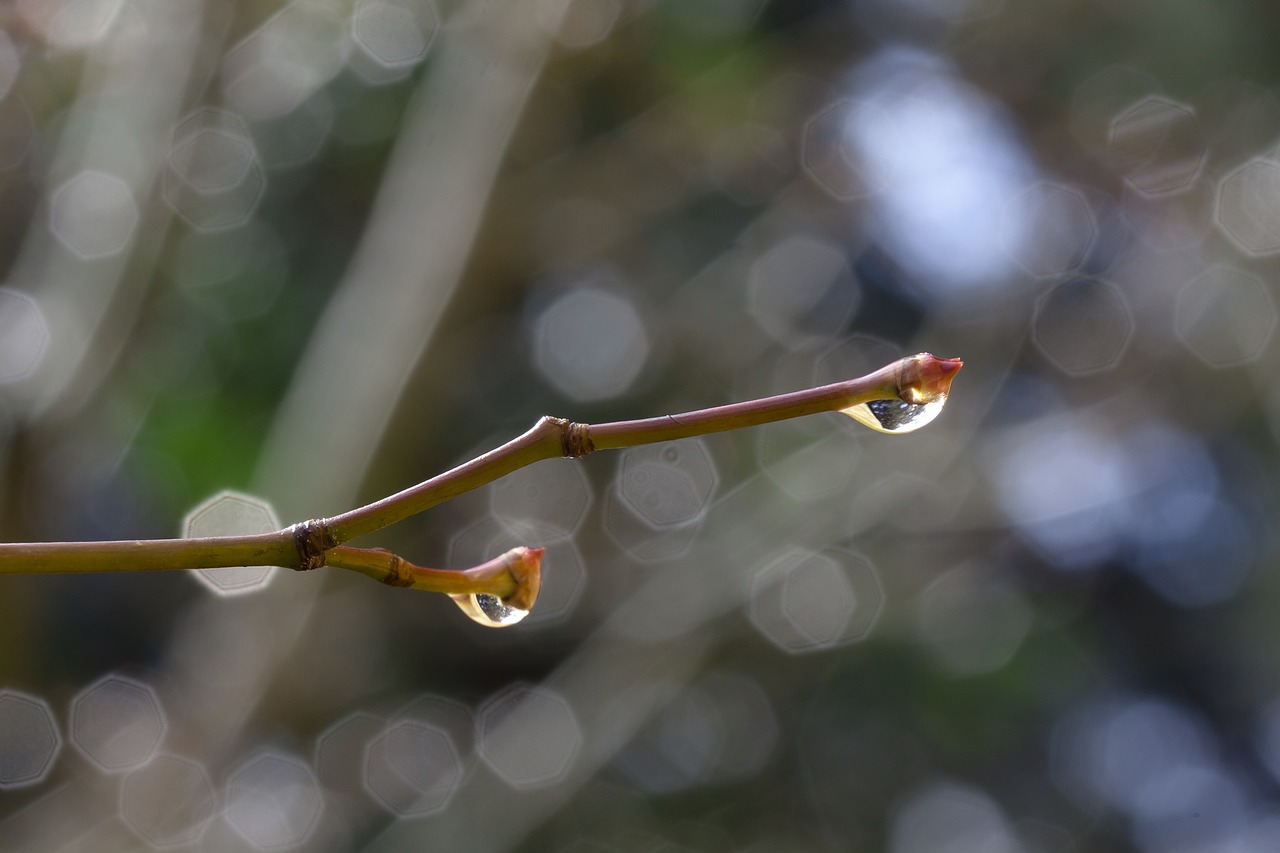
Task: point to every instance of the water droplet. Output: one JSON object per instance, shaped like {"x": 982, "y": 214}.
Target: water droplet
{"x": 923, "y": 381}
{"x": 488, "y": 610}
{"x": 896, "y": 416}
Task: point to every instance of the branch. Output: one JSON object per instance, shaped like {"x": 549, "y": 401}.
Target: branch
{"x": 897, "y": 398}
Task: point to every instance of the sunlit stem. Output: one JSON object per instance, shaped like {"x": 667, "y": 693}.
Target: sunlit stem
{"x": 514, "y": 576}
{"x": 911, "y": 380}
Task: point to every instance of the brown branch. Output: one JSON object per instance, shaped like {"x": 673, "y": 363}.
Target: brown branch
{"x": 908, "y": 385}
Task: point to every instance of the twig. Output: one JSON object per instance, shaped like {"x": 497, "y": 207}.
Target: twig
{"x": 913, "y": 382}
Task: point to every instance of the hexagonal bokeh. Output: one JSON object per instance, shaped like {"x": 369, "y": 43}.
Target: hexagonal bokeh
{"x": 807, "y": 601}
{"x": 660, "y": 495}
{"x": 1083, "y": 325}
{"x": 291, "y": 140}
{"x": 16, "y": 130}
{"x": 412, "y": 768}
{"x": 1048, "y": 229}
{"x": 117, "y": 723}
{"x": 93, "y": 215}
{"x": 800, "y": 288}
{"x": 972, "y": 621}
{"x": 643, "y": 542}
{"x": 564, "y": 574}
{"x": 287, "y": 59}
{"x": 668, "y": 484}
{"x": 395, "y": 34}
{"x": 827, "y": 154}
{"x": 590, "y": 343}
{"x": 1159, "y": 145}
{"x": 231, "y": 513}
{"x": 169, "y": 802}
{"x": 1226, "y": 317}
{"x": 543, "y": 501}
{"x": 273, "y": 801}
{"x": 339, "y": 753}
{"x": 529, "y": 736}
{"x": 24, "y": 335}
{"x": 1248, "y": 207}
{"x": 29, "y": 739}
{"x": 213, "y": 178}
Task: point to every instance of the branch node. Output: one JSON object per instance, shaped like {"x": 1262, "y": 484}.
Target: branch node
{"x": 312, "y": 539}
{"x": 398, "y": 573}
{"x": 575, "y": 439}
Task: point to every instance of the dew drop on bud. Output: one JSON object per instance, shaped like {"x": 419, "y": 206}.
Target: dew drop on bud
{"x": 923, "y": 382}
{"x": 488, "y": 610}
{"x": 895, "y": 416}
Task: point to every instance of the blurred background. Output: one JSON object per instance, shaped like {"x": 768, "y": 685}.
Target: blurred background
{"x": 267, "y": 261}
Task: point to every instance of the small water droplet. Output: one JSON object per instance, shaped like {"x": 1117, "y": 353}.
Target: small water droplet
{"x": 488, "y": 610}
{"x": 896, "y": 416}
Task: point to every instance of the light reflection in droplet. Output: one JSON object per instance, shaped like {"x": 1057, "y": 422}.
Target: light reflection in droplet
{"x": 896, "y": 416}
{"x": 489, "y": 610}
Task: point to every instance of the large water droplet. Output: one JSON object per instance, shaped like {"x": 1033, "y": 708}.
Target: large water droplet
{"x": 896, "y": 416}
{"x": 488, "y": 610}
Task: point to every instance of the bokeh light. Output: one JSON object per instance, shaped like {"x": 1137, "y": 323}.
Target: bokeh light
{"x": 286, "y": 59}
{"x": 806, "y": 602}
{"x": 590, "y": 343}
{"x": 271, "y": 262}
{"x": 213, "y": 179}
{"x": 947, "y": 816}
{"x": 528, "y": 736}
{"x": 972, "y": 622}
{"x": 230, "y": 513}
{"x": 1248, "y": 209}
{"x": 1159, "y": 145}
{"x": 93, "y": 215}
{"x": 169, "y": 802}
{"x": 117, "y": 723}
{"x": 1083, "y": 325}
{"x": 801, "y": 287}
{"x": 394, "y": 34}
{"x": 29, "y": 739}
{"x": 412, "y": 768}
{"x": 1049, "y": 229}
{"x": 1226, "y": 317}
{"x": 24, "y": 335}
{"x": 273, "y": 801}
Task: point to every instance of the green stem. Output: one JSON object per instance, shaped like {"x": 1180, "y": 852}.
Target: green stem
{"x": 144, "y": 555}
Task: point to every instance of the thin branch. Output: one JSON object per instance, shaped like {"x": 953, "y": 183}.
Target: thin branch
{"x": 513, "y": 577}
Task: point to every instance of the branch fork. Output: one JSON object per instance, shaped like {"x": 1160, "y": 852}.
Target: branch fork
{"x": 502, "y": 590}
